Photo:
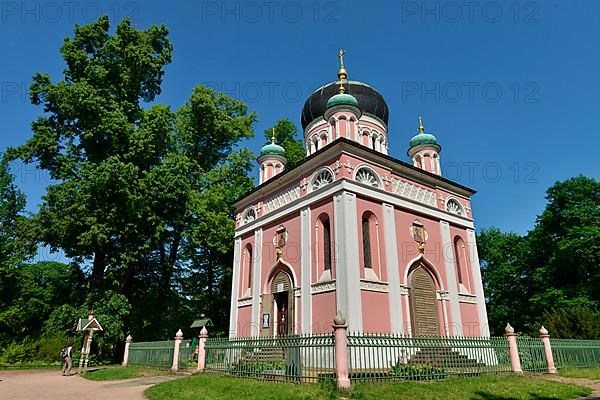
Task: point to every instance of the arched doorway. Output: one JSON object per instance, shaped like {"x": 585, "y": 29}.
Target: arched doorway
{"x": 278, "y": 303}
{"x": 423, "y": 303}
{"x": 283, "y": 296}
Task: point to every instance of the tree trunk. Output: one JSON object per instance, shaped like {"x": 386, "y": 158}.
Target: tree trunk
{"x": 98, "y": 270}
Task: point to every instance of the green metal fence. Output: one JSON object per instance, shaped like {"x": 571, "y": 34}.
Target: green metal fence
{"x": 154, "y": 354}
{"x": 531, "y": 354}
{"x": 397, "y": 357}
{"x": 575, "y": 353}
{"x": 292, "y": 358}
{"x": 187, "y": 352}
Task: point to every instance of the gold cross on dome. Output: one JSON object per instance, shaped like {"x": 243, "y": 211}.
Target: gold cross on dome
{"x": 341, "y": 57}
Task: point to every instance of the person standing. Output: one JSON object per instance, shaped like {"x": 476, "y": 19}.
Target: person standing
{"x": 67, "y": 354}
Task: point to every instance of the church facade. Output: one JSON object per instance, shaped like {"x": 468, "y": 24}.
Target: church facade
{"x": 389, "y": 244}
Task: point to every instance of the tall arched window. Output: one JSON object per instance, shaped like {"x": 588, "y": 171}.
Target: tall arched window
{"x": 326, "y": 244}
{"x": 462, "y": 269}
{"x": 366, "y": 240}
{"x": 247, "y": 266}
{"x": 371, "y": 250}
{"x": 457, "y": 259}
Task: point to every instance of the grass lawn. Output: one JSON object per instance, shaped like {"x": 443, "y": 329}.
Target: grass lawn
{"x": 118, "y": 372}
{"x": 590, "y": 373}
{"x": 207, "y": 386}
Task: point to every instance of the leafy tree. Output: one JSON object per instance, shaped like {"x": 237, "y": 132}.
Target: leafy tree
{"x": 553, "y": 270}
{"x": 94, "y": 138}
{"x": 565, "y": 243}
{"x": 285, "y": 135}
{"x": 576, "y": 322}
{"x": 505, "y": 284}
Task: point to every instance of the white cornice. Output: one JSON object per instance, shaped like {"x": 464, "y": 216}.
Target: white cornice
{"x": 379, "y": 195}
{"x": 337, "y": 148}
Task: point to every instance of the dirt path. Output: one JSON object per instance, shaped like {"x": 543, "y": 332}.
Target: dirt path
{"x": 21, "y": 385}
{"x": 591, "y": 383}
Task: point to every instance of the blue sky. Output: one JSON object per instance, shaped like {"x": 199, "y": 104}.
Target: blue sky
{"x": 510, "y": 89}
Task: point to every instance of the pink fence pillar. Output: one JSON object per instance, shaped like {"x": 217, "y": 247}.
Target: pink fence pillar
{"x": 548, "y": 350}
{"x": 126, "y": 352}
{"x": 178, "y": 339}
{"x": 202, "y": 349}
{"x": 341, "y": 351}
{"x": 513, "y": 350}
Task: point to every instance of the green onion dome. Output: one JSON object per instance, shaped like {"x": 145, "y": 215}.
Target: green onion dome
{"x": 272, "y": 149}
{"x": 342, "y": 99}
{"x": 423, "y": 138}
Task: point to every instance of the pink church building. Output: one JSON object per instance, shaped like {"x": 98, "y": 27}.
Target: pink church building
{"x": 389, "y": 244}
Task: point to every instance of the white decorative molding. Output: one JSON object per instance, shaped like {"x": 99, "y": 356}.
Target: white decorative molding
{"x": 249, "y": 215}
{"x": 322, "y": 177}
{"x": 453, "y": 206}
{"x": 304, "y": 184}
{"x": 246, "y": 301}
{"x": 442, "y": 295}
{"x": 281, "y": 199}
{"x": 404, "y": 290}
{"x": 343, "y": 184}
{"x": 374, "y": 286}
{"x": 410, "y": 191}
{"x": 297, "y": 291}
{"x": 467, "y": 298}
{"x": 322, "y": 287}
{"x": 367, "y": 176}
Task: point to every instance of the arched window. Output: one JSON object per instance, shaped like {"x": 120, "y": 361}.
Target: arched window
{"x": 326, "y": 244}
{"x": 370, "y": 246}
{"x": 457, "y": 259}
{"x": 247, "y": 266}
{"x": 373, "y": 141}
{"x": 367, "y": 176}
{"x": 366, "y": 239}
{"x": 454, "y": 207}
{"x": 249, "y": 215}
{"x": 417, "y": 162}
{"x": 322, "y": 178}
{"x": 462, "y": 269}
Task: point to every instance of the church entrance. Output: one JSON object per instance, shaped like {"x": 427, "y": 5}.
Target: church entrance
{"x": 423, "y": 304}
{"x": 280, "y": 304}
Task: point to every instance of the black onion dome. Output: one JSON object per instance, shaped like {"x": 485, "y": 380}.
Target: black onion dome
{"x": 370, "y": 101}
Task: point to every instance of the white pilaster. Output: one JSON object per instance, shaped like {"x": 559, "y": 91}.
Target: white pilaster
{"x": 256, "y": 283}
{"x": 305, "y": 271}
{"x": 448, "y": 260}
{"x": 348, "y": 296}
{"x": 235, "y": 281}
{"x": 484, "y": 327}
{"x": 393, "y": 272}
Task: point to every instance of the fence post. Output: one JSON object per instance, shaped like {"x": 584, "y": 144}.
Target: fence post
{"x": 513, "y": 350}
{"x": 340, "y": 329}
{"x": 547, "y": 349}
{"x": 178, "y": 339}
{"x": 126, "y": 353}
{"x": 202, "y": 349}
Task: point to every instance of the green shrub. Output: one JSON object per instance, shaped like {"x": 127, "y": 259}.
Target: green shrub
{"x": 19, "y": 352}
{"x": 418, "y": 372}
{"x": 49, "y": 347}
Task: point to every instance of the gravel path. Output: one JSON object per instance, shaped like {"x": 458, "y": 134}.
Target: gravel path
{"x": 593, "y": 384}
{"x": 34, "y": 384}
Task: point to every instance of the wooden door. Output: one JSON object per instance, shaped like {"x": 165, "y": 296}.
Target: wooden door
{"x": 424, "y": 307}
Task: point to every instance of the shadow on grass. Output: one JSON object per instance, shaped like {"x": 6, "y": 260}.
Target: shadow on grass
{"x": 490, "y": 396}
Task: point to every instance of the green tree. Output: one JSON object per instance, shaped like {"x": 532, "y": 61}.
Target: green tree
{"x": 285, "y": 135}
{"x": 97, "y": 141}
{"x": 505, "y": 282}
{"x": 553, "y": 270}
{"x": 565, "y": 245}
